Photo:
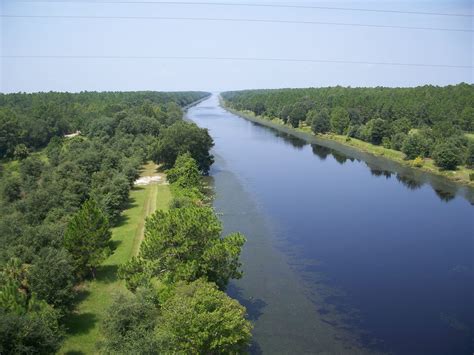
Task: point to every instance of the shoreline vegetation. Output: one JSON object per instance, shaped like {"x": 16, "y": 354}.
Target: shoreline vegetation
{"x": 459, "y": 176}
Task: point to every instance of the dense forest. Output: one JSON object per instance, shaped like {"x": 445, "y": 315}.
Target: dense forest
{"x": 422, "y": 122}
{"x": 59, "y": 196}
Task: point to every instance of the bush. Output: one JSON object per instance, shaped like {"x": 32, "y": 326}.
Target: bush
{"x": 418, "y": 162}
{"x": 386, "y": 143}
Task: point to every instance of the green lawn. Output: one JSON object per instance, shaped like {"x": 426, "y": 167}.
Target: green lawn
{"x": 96, "y": 295}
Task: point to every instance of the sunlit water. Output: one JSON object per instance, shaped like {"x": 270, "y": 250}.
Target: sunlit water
{"x": 346, "y": 253}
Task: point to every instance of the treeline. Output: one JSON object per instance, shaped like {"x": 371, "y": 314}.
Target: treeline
{"x": 57, "y": 204}
{"x": 31, "y": 120}
{"x": 426, "y": 121}
{"x": 177, "y": 305}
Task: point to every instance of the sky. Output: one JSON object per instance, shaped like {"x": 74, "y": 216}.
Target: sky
{"x": 187, "y": 39}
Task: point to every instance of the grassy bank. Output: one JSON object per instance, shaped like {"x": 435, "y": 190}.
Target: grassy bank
{"x": 461, "y": 175}
{"x": 96, "y": 295}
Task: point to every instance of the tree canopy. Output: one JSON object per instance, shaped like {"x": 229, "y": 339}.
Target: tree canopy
{"x": 413, "y": 120}
{"x": 49, "y": 233}
{"x": 183, "y": 137}
{"x": 184, "y": 244}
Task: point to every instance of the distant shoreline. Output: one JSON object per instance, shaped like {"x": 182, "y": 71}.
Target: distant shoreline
{"x": 459, "y": 177}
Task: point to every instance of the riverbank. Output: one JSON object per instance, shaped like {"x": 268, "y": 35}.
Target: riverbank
{"x": 197, "y": 102}
{"x": 460, "y": 176}
{"x": 96, "y": 295}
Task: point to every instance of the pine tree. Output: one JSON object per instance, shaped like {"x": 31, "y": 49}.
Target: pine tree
{"x": 87, "y": 238}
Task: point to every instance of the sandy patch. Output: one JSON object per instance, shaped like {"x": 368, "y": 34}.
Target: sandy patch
{"x": 145, "y": 180}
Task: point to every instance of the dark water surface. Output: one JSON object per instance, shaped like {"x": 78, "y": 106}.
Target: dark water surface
{"x": 346, "y": 253}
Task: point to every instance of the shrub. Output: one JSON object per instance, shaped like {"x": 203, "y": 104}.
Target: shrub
{"x": 386, "y": 143}
{"x": 418, "y": 162}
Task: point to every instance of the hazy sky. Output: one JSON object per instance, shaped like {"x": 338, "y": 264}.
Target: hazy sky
{"x": 185, "y": 38}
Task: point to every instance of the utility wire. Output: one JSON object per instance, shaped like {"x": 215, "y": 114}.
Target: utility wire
{"x": 212, "y": 19}
{"x": 255, "y": 5}
{"x": 238, "y": 59}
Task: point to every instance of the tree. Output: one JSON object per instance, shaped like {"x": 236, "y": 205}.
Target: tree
{"x": 402, "y": 125}
{"x": 320, "y": 122}
{"x": 31, "y": 167}
{"x": 200, "y": 319}
{"x": 377, "y": 130}
{"x": 110, "y": 189}
{"x": 51, "y": 278}
{"x": 467, "y": 118}
{"x": 397, "y": 141}
{"x": 339, "y": 120}
{"x": 470, "y": 155}
{"x": 185, "y": 244}
{"x": 193, "y": 318}
{"x": 259, "y": 108}
{"x": 297, "y": 114}
{"x": 185, "y": 172}
{"x": 21, "y": 152}
{"x": 129, "y": 323}
{"x": 12, "y": 190}
{"x": 415, "y": 145}
{"x": 182, "y": 137}
{"x": 285, "y": 112}
{"x": 447, "y": 156}
{"x": 27, "y": 325}
{"x": 87, "y": 238}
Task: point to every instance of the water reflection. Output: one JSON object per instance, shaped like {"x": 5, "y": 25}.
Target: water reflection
{"x": 339, "y": 157}
{"x": 292, "y": 140}
{"x": 376, "y": 171}
{"x": 320, "y": 151}
{"x": 323, "y": 152}
{"x": 409, "y": 182}
{"x": 444, "y": 195}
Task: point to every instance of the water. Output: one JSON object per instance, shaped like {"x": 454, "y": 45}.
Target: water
{"x": 346, "y": 253}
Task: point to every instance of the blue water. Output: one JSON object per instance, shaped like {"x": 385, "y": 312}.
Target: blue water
{"x": 372, "y": 245}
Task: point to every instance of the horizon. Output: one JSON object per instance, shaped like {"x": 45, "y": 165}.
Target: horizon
{"x": 222, "y": 91}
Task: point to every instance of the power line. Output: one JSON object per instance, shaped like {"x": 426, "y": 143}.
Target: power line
{"x": 212, "y": 19}
{"x": 238, "y": 59}
{"x": 257, "y": 5}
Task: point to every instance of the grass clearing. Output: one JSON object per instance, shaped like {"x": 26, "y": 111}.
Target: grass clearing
{"x": 96, "y": 295}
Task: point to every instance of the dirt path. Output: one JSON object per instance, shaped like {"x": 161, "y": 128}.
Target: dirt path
{"x": 150, "y": 204}
{"x": 148, "y": 208}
